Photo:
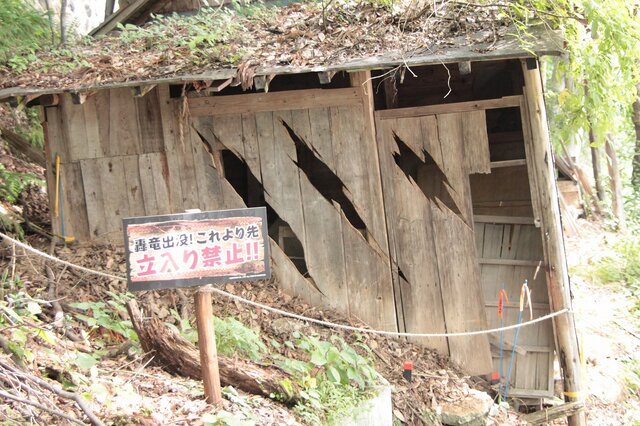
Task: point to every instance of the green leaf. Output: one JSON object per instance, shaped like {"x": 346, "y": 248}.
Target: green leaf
{"x": 85, "y": 361}
{"x": 318, "y": 358}
{"x": 34, "y": 308}
{"x": 333, "y": 374}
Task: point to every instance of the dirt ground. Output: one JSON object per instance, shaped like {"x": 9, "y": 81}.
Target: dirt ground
{"x": 609, "y": 334}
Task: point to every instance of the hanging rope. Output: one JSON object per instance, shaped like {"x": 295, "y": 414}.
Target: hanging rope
{"x": 291, "y": 314}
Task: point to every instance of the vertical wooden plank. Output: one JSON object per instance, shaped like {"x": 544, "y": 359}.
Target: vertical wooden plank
{"x": 461, "y": 293}
{"x": 208, "y": 178}
{"x": 369, "y": 286}
{"x": 531, "y": 164}
{"x": 324, "y": 252}
{"x": 287, "y": 179}
{"x": 451, "y": 139}
{"x": 180, "y": 153}
{"x": 250, "y": 140}
{"x": 476, "y": 142}
{"x": 384, "y": 147}
{"x": 161, "y": 182}
{"x": 133, "y": 185}
{"x": 93, "y": 197}
{"x": 358, "y": 168}
{"x": 227, "y": 130}
{"x": 54, "y": 144}
{"x": 123, "y": 123}
{"x": 417, "y": 284}
{"x": 114, "y": 194}
{"x": 102, "y": 101}
{"x": 74, "y": 205}
{"x": 74, "y": 129}
{"x": 147, "y": 185}
{"x": 320, "y": 137}
{"x": 150, "y": 122}
{"x": 431, "y": 142}
{"x": 94, "y": 144}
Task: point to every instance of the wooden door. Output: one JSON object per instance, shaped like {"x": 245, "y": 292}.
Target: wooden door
{"x": 426, "y": 161}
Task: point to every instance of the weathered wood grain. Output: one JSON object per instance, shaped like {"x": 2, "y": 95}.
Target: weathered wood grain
{"x": 115, "y": 199}
{"x": 96, "y": 213}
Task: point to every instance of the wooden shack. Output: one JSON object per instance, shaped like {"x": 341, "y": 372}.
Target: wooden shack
{"x": 407, "y": 203}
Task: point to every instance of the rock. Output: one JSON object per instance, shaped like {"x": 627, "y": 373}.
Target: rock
{"x": 470, "y": 411}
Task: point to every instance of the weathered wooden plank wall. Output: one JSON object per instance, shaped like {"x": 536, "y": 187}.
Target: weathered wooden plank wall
{"x": 348, "y": 268}
{"x": 123, "y": 156}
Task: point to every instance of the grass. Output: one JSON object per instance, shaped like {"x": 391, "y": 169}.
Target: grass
{"x": 620, "y": 266}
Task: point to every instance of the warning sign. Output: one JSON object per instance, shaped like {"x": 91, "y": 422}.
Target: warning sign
{"x": 192, "y": 249}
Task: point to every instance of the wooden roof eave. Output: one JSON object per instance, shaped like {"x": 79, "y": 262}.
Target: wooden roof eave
{"x": 549, "y": 43}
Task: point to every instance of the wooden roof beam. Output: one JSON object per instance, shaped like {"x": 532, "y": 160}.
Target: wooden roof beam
{"x": 218, "y": 85}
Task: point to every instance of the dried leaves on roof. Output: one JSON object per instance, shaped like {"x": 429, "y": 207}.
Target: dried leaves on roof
{"x": 299, "y": 35}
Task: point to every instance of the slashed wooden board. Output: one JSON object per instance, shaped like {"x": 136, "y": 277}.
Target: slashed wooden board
{"x": 461, "y": 293}
{"x": 417, "y": 291}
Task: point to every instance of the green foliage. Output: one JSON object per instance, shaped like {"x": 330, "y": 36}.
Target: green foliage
{"x": 622, "y": 266}
{"x": 233, "y": 338}
{"x": 333, "y": 381}
{"x": 23, "y": 30}
{"x": 107, "y": 317}
{"x": 204, "y": 36}
{"x": 13, "y": 183}
{"x": 32, "y": 131}
{"x": 18, "y": 313}
{"x": 602, "y": 41}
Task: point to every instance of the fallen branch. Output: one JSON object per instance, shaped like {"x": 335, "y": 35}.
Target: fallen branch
{"x": 545, "y": 416}
{"x": 178, "y": 356}
{"x": 57, "y": 413}
{"x": 58, "y": 391}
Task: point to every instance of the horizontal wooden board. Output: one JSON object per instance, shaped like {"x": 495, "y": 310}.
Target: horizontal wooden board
{"x": 275, "y": 101}
{"x": 505, "y": 102}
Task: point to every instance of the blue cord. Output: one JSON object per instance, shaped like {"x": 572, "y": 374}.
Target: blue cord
{"x": 513, "y": 355}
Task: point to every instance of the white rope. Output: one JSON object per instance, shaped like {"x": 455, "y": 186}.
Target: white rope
{"x": 291, "y": 314}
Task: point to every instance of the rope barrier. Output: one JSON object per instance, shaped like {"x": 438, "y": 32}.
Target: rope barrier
{"x": 291, "y": 314}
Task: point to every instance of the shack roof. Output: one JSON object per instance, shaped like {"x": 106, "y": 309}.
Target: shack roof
{"x": 242, "y": 43}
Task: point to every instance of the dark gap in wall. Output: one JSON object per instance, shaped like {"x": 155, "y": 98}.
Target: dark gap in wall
{"x": 504, "y": 128}
{"x": 328, "y": 184}
{"x": 426, "y": 174}
{"x": 402, "y": 275}
{"x": 244, "y": 182}
{"x": 487, "y": 80}
{"x": 283, "y": 82}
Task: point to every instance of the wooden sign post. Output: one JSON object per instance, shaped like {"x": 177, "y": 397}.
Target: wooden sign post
{"x": 207, "y": 346}
{"x": 196, "y": 249}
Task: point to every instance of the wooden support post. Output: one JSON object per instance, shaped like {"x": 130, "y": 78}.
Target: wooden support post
{"x": 261, "y": 82}
{"x": 557, "y": 274}
{"x": 207, "y": 346}
{"x": 78, "y": 98}
{"x": 325, "y": 76}
{"x": 141, "y": 91}
{"x": 464, "y": 67}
